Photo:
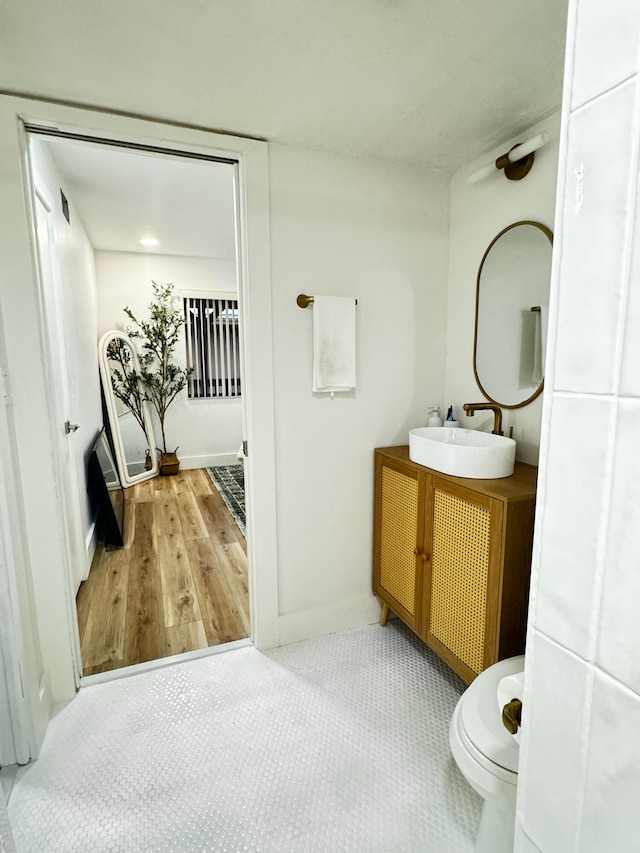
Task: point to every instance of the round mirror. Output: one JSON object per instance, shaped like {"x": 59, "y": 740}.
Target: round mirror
{"x": 512, "y": 300}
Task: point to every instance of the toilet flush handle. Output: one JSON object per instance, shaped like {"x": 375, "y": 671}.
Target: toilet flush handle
{"x": 512, "y": 715}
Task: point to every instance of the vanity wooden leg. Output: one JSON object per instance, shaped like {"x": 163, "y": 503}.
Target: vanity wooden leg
{"x": 385, "y": 614}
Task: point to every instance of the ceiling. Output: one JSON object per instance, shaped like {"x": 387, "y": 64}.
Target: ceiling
{"x": 429, "y": 83}
{"x": 123, "y": 195}
{"x": 426, "y": 83}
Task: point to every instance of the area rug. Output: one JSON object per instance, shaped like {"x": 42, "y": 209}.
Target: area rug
{"x": 229, "y": 481}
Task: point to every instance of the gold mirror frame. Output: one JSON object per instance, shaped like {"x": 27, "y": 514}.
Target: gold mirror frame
{"x": 549, "y": 234}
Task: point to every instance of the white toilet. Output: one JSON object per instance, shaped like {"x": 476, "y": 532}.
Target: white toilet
{"x": 487, "y": 755}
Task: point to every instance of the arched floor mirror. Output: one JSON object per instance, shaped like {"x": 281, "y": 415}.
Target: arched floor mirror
{"x": 129, "y": 414}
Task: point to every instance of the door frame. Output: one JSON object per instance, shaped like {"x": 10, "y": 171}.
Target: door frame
{"x": 26, "y": 344}
{"x": 24, "y": 712}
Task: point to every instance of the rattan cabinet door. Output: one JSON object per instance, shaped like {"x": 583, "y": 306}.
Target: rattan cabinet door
{"x": 452, "y": 558}
{"x": 461, "y": 558}
{"x": 399, "y": 539}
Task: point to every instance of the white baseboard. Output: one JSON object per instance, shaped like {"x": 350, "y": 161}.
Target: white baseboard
{"x": 90, "y": 544}
{"x": 210, "y": 461}
{"x": 351, "y": 613}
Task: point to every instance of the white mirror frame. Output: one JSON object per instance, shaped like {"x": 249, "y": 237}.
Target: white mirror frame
{"x": 105, "y": 375}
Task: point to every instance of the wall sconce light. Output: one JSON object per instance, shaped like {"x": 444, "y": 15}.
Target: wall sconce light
{"x": 516, "y": 163}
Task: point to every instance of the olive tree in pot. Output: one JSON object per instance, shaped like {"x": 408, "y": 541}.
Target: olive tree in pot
{"x": 160, "y": 379}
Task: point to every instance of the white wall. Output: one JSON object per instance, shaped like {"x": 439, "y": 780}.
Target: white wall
{"x": 579, "y": 784}
{"x": 207, "y": 431}
{"x": 77, "y": 290}
{"x": 342, "y": 226}
{"x": 479, "y": 212}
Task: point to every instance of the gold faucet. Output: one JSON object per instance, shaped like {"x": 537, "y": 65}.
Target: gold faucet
{"x": 472, "y": 408}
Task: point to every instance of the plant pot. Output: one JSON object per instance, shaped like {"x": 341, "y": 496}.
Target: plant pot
{"x": 169, "y": 464}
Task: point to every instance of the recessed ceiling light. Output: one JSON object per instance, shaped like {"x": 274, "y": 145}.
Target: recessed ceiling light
{"x": 149, "y": 241}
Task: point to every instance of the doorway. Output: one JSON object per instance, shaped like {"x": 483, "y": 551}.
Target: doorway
{"x": 116, "y": 220}
{"x": 42, "y": 606}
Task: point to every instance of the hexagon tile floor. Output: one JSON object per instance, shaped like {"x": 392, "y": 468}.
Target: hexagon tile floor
{"x": 337, "y": 744}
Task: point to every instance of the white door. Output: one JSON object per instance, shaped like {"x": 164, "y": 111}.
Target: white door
{"x": 65, "y": 428}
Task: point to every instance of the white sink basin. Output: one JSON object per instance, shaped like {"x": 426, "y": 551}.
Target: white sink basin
{"x": 463, "y": 452}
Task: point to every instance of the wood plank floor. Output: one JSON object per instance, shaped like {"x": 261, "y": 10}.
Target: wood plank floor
{"x": 178, "y": 584}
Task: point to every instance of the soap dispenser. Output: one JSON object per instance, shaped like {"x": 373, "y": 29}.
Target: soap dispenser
{"x": 434, "y": 417}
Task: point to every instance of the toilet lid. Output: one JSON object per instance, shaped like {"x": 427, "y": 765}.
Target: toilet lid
{"x": 481, "y": 718}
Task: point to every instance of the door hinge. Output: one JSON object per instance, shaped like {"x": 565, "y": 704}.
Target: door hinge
{"x": 245, "y": 448}
{"x": 5, "y": 391}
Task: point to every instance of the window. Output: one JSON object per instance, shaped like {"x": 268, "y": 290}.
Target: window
{"x": 213, "y": 346}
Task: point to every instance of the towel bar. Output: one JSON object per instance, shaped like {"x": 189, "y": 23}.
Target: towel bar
{"x": 303, "y": 301}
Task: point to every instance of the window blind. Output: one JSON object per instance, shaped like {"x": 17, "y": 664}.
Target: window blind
{"x": 213, "y": 347}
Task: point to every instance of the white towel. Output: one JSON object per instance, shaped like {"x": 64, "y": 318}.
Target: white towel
{"x": 544, "y": 328}
{"x": 509, "y": 688}
{"x": 539, "y": 344}
{"x": 334, "y": 343}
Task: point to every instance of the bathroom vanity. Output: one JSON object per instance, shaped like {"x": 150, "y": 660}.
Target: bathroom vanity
{"x": 452, "y": 557}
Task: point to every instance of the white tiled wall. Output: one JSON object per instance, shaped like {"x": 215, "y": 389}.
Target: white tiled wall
{"x": 579, "y": 785}
{"x": 593, "y": 243}
{"x": 570, "y": 526}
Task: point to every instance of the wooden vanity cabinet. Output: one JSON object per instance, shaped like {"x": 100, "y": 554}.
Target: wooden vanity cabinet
{"x": 452, "y": 557}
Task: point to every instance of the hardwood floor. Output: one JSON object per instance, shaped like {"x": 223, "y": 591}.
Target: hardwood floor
{"x": 178, "y": 584}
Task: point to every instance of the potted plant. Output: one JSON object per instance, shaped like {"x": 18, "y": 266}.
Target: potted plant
{"x": 160, "y": 379}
